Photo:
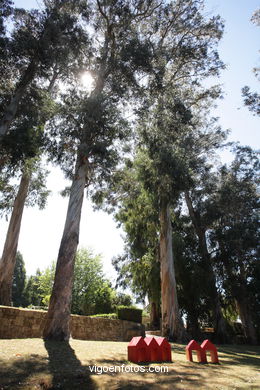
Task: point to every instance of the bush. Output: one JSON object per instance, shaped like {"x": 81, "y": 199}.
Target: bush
{"x": 112, "y": 316}
{"x": 129, "y": 314}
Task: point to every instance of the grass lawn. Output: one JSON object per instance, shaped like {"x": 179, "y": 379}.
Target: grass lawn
{"x": 31, "y": 364}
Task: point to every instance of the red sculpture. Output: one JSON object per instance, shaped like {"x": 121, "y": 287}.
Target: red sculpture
{"x": 209, "y": 346}
{"x": 165, "y": 349}
{"x": 150, "y": 349}
{"x": 194, "y": 346}
{"x": 137, "y": 350}
{"x": 153, "y": 349}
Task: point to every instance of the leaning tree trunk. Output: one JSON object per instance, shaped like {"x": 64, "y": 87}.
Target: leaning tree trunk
{"x": 7, "y": 263}
{"x": 58, "y": 317}
{"x": 172, "y": 325}
{"x": 11, "y": 109}
{"x": 220, "y": 325}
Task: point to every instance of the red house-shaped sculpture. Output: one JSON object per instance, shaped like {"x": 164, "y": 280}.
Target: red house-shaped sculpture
{"x": 194, "y": 346}
{"x": 137, "y": 350}
{"x": 165, "y": 349}
{"x": 208, "y": 346}
{"x": 153, "y": 349}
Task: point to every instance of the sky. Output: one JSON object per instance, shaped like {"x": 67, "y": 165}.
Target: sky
{"x": 41, "y": 231}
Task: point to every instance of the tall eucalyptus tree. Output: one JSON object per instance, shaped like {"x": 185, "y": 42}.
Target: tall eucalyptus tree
{"x": 41, "y": 49}
{"x": 94, "y": 126}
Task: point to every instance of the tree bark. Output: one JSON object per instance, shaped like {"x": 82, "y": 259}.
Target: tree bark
{"x": 220, "y": 326}
{"x": 11, "y": 109}
{"x": 58, "y": 317}
{"x": 172, "y": 325}
{"x": 7, "y": 263}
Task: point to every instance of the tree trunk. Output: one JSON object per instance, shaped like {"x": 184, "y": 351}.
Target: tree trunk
{"x": 193, "y": 327}
{"x": 220, "y": 326}
{"x": 58, "y": 317}
{"x": 7, "y": 263}
{"x": 246, "y": 320}
{"x": 11, "y": 109}
{"x": 154, "y": 315}
{"x": 172, "y": 325}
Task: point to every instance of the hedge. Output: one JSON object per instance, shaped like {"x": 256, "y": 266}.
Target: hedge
{"x": 129, "y": 314}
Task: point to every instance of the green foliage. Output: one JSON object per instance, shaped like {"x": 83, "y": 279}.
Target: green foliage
{"x": 91, "y": 294}
{"x": 122, "y": 299}
{"x": 251, "y": 100}
{"x": 129, "y": 314}
{"x": 32, "y": 293}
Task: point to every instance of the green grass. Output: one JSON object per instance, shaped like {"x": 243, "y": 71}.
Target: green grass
{"x": 31, "y": 364}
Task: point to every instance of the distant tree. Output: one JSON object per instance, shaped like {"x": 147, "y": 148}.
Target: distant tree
{"x": 134, "y": 209}
{"x": 45, "y": 284}
{"x": 92, "y": 293}
{"x": 122, "y": 299}
{"x": 32, "y": 293}
{"x": 19, "y": 282}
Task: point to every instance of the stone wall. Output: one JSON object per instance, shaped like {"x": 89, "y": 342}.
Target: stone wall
{"x": 24, "y": 323}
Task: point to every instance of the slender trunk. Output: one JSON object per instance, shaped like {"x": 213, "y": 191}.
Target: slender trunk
{"x": 193, "y": 327}
{"x": 220, "y": 325}
{"x": 11, "y": 109}
{"x": 246, "y": 320}
{"x": 154, "y": 315}
{"x": 7, "y": 263}
{"x": 57, "y": 324}
{"x": 172, "y": 325}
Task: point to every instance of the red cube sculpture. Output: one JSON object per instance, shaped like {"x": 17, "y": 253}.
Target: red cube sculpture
{"x": 165, "y": 349}
{"x": 194, "y": 346}
{"x": 209, "y": 346}
{"x": 137, "y": 350}
{"x": 153, "y": 349}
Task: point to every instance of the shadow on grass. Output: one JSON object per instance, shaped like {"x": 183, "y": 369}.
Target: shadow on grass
{"x": 61, "y": 370}
{"x": 242, "y": 355}
{"x": 66, "y": 369}
{"x": 16, "y": 371}
{"x": 239, "y": 354}
{"x": 127, "y": 376}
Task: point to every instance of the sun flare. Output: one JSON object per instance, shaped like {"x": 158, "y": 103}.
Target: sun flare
{"x": 87, "y": 81}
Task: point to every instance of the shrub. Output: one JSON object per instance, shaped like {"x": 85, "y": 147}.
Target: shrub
{"x": 129, "y": 314}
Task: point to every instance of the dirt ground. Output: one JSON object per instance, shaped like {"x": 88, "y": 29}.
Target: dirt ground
{"x": 28, "y": 364}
